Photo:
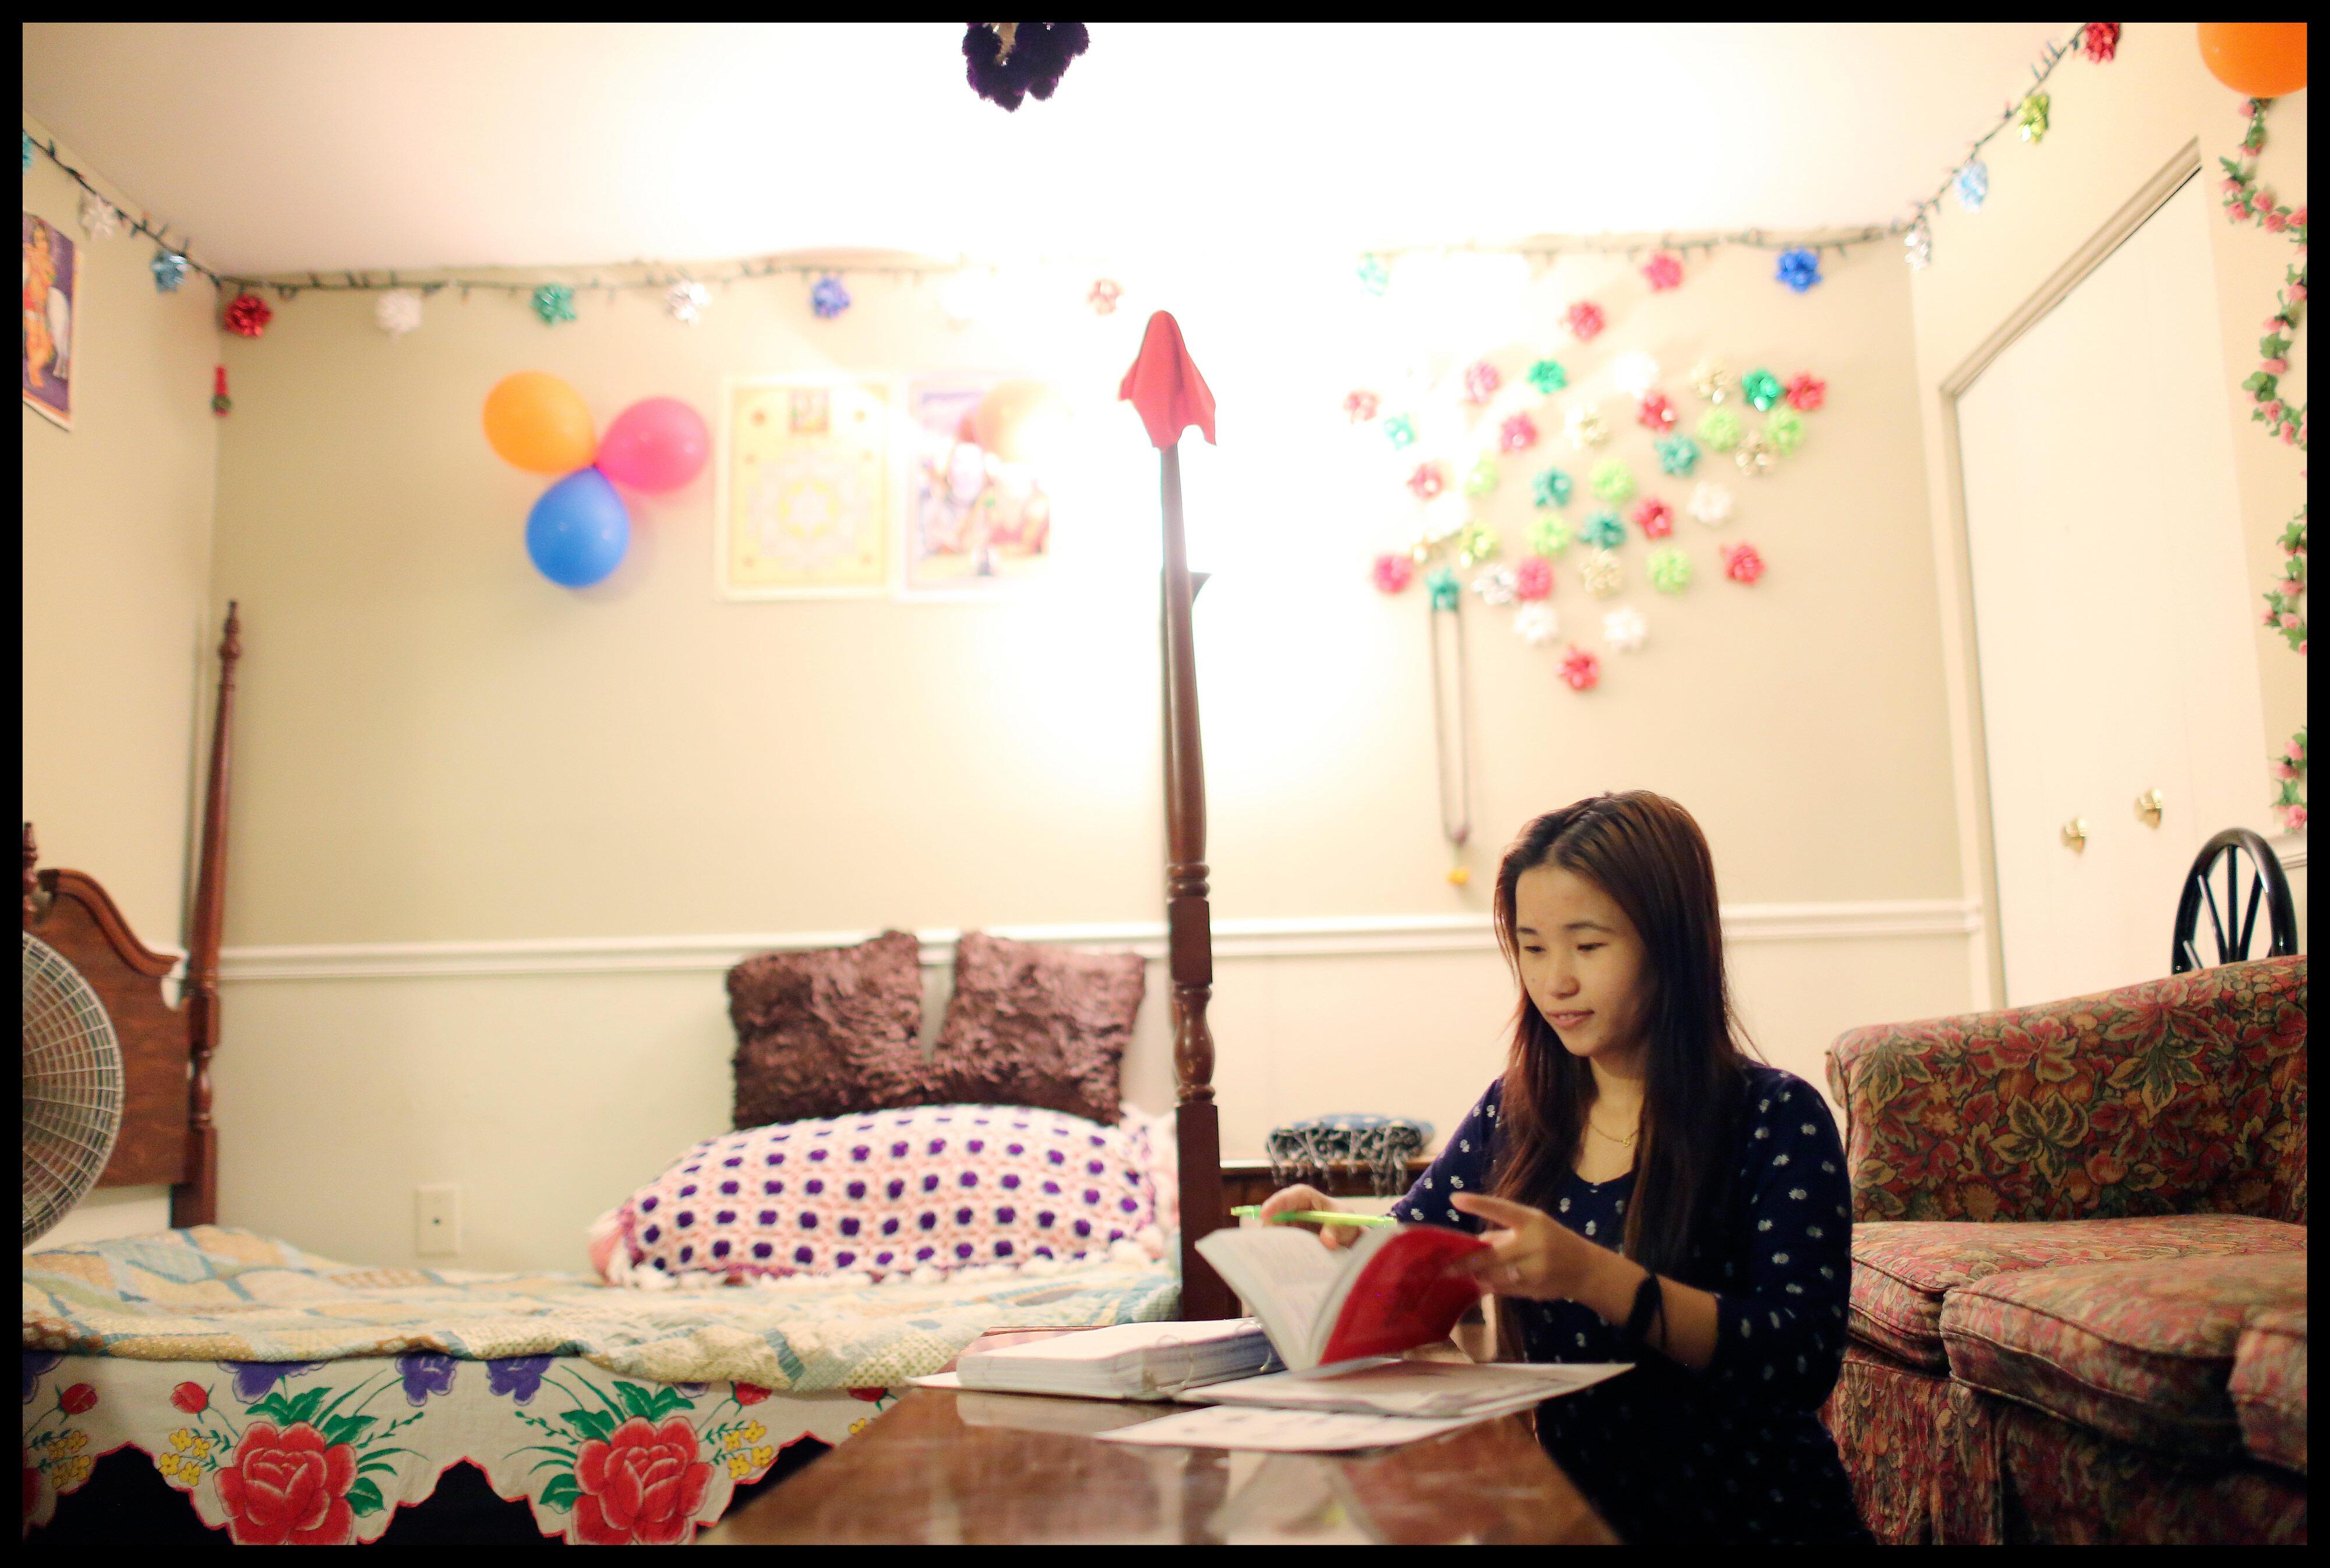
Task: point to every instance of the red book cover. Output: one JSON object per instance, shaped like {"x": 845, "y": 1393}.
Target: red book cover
{"x": 1405, "y": 1295}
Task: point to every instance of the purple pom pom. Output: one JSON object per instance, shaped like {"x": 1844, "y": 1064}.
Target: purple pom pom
{"x": 1040, "y": 52}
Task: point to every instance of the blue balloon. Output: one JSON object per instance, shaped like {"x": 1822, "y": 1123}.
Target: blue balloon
{"x": 577, "y": 533}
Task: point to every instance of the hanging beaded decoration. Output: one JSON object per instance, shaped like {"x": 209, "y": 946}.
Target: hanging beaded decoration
{"x": 1451, "y": 711}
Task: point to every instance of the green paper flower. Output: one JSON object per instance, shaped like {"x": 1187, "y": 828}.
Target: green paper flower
{"x": 1602, "y": 530}
{"x": 1668, "y": 569}
{"x": 1400, "y": 430}
{"x": 2030, "y": 119}
{"x": 1678, "y": 455}
{"x": 1718, "y": 429}
{"x": 1483, "y": 478}
{"x": 1613, "y": 481}
{"x": 1549, "y": 536}
{"x": 554, "y": 303}
{"x": 1373, "y": 274}
{"x": 1786, "y": 430}
{"x": 1550, "y": 488}
{"x": 1761, "y": 388}
{"x": 1475, "y": 542}
{"x": 1547, "y": 376}
{"x": 1441, "y": 583}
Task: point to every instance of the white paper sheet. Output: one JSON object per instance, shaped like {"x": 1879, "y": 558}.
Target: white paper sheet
{"x": 1428, "y": 1390}
{"x": 1282, "y": 1430}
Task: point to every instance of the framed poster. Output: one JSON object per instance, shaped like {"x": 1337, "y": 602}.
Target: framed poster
{"x": 804, "y": 496}
{"x": 977, "y": 509}
{"x": 52, "y": 291}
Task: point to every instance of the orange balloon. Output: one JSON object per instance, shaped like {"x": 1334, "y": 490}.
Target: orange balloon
{"x": 2256, "y": 59}
{"x": 539, "y": 423}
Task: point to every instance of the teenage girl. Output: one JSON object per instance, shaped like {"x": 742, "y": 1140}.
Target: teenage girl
{"x": 1651, "y": 1195}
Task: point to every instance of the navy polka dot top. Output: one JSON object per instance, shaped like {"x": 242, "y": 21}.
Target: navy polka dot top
{"x": 1737, "y": 1451}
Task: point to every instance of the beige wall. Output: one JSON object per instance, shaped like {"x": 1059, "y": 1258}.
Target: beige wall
{"x": 2113, "y": 127}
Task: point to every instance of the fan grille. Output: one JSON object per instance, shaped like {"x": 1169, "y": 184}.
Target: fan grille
{"x": 72, "y": 1087}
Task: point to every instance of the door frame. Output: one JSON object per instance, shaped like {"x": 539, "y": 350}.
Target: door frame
{"x": 1978, "y": 839}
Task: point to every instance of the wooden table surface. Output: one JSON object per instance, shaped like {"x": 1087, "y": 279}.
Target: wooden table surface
{"x": 948, "y": 1467}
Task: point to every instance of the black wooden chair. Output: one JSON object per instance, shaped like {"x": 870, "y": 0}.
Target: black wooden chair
{"x": 2233, "y": 924}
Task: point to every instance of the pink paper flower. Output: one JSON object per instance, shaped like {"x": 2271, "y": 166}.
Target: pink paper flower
{"x": 1533, "y": 577}
{"x": 2276, "y": 367}
{"x": 1663, "y": 270}
{"x": 2289, "y": 620}
{"x": 1654, "y": 517}
{"x": 1517, "y": 434}
{"x": 1481, "y": 381}
{"x": 1655, "y": 413}
{"x": 1584, "y": 320}
{"x": 1426, "y": 481}
{"x": 1360, "y": 406}
{"x": 1741, "y": 563}
{"x": 2099, "y": 41}
{"x": 2276, "y": 222}
{"x": 1807, "y": 393}
{"x": 1581, "y": 669}
{"x": 1393, "y": 572}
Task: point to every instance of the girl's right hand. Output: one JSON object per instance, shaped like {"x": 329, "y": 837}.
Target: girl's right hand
{"x": 1300, "y": 1198}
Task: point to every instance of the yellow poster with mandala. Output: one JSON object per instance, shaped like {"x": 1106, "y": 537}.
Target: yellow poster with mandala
{"x": 803, "y": 498}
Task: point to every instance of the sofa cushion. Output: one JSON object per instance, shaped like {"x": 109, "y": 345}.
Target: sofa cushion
{"x": 1901, "y": 1269}
{"x": 2138, "y": 1351}
{"x": 2268, "y": 1387}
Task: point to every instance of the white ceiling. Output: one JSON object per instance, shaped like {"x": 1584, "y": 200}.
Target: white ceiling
{"x": 288, "y": 148}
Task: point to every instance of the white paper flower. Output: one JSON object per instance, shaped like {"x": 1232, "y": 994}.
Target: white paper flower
{"x": 98, "y": 221}
{"x": 1623, "y": 628}
{"x": 1710, "y": 503}
{"x": 1496, "y": 587}
{"x": 1634, "y": 372}
{"x": 1536, "y": 624}
{"x": 397, "y": 312}
{"x": 686, "y": 301}
{"x": 1584, "y": 428}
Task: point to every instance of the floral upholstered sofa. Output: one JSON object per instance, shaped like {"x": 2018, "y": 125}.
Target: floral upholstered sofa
{"x": 2078, "y": 1266}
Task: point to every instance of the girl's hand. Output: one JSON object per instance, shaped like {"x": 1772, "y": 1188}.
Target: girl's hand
{"x": 1309, "y": 1197}
{"x": 1534, "y": 1255}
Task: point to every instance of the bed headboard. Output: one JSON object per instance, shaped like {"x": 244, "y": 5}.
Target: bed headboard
{"x": 167, "y": 1133}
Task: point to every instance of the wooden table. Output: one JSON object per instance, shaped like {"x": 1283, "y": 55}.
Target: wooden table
{"x": 946, "y": 1468}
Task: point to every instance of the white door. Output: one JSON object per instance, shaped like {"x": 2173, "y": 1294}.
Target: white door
{"x": 2112, "y": 610}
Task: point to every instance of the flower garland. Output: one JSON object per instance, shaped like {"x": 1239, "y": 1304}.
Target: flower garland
{"x": 2248, "y": 202}
{"x": 2286, "y": 613}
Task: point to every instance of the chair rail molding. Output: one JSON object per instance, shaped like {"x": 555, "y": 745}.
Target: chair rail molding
{"x": 1289, "y": 938}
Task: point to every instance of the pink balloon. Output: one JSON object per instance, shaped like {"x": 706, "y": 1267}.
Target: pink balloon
{"x": 656, "y": 444}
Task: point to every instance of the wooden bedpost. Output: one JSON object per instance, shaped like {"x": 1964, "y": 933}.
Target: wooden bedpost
{"x": 193, "y": 1200}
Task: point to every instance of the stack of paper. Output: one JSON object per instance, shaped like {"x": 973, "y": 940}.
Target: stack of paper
{"x": 1427, "y": 1390}
{"x": 1128, "y": 1361}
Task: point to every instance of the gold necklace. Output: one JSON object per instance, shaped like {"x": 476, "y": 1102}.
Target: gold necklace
{"x": 1625, "y": 1142}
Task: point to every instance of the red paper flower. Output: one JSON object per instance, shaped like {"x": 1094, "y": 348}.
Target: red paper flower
{"x": 1517, "y": 434}
{"x": 78, "y": 1400}
{"x": 751, "y": 1393}
{"x": 1533, "y": 577}
{"x": 191, "y": 1397}
{"x": 643, "y": 1485}
{"x": 248, "y": 316}
{"x": 1655, "y": 412}
{"x": 1106, "y": 293}
{"x": 1581, "y": 669}
{"x": 1663, "y": 270}
{"x": 1426, "y": 481}
{"x": 290, "y": 1489}
{"x": 1360, "y": 406}
{"x": 1740, "y": 562}
{"x": 1807, "y": 393}
{"x": 1481, "y": 381}
{"x": 1654, "y": 517}
{"x": 2100, "y": 41}
{"x": 1584, "y": 320}
{"x": 1393, "y": 572}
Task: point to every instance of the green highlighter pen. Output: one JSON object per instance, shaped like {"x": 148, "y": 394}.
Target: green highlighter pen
{"x": 1315, "y": 1216}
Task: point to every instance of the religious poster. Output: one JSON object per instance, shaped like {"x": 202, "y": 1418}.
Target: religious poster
{"x": 804, "y": 489}
{"x": 52, "y": 291}
{"x": 979, "y": 511}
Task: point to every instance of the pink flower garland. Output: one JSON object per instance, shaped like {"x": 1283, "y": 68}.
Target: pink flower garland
{"x": 1584, "y": 320}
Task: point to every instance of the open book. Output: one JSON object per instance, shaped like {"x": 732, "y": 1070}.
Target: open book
{"x": 1390, "y": 1291}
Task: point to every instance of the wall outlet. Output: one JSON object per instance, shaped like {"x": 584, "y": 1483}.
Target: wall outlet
{"x": 437, "y": 1221}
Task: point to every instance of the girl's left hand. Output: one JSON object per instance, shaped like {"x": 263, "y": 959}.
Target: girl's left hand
{"x": 1534, "y": 1255}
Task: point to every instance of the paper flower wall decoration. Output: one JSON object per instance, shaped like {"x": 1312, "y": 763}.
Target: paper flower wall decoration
{"x": 2030, "y": 119}
{"x": 1548, "y": 377}
{"x": 1495, "y": 588}
{"x": 1536, "y": 624}
{"x": 1550, "y": 488}
{"x": 1655, "y": 412}
{"x": 1581, "y": 670}
{"x": 397, "y": 312}
{"x": 1393, "y": 573}
{"x": 1669, "y": 569}
{"x": 1786, "y": 430}
{"x": 1600, "y": 574}
{"x": 2099, "y": 41}
{"x": 1807, "y": 393}
{"x": 169, "y": 271}
{"x": 1918, "y": 246}
{"x": 554, "y": 303}
{"x": 1740, "y": 562}
{"x": 1709, "y": 503}
{"x": 1623, "y": 628}
{"x": 1481, "y": 381}
{"x": 1532, "y": 578}
{"x": 1481, "y": 480}
{"x": 248, "y": 316}
{"x": 1633, "y": 373}
{"x": 829, "y": 298}
{"x": 1678, "y": 455}
{"x": 1602, "y": 530}
{"x": 1517, "y": 434}
{"x": 1548, "y": 536}
{"x": 99, "y": 220}
{"x": 1583, "y": 427}
{"x": 1654, "y": 517}
{"x": 1799, "y": 269}
{"x": 1373, "y": 274}
{"x": 1584, "y": 320}
{"x": 1475, "y": 542}
{"x": 686, "y": 300}
{"x": 1360, "y": 407}
{"x": 1441, "y": 583}
{"x": 1426, "y": 481}
{"x": 1106, "y": 293}
{"x": 1662, "y": 271}
{"x": 1972, "y": 185}
{"x": 1400, "y": 431}
{"x": 1613, "y": 481}
{"x": 1711, "y": 379}
{"x": 1720, "y": 429}
{"x": 1761, "y": 388}
{"x": 1754, "y": 457}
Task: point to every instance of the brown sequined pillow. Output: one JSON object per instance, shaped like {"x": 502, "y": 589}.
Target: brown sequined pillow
{"x": 1031, "y": 1024}
{"x": 829, "y": 1033}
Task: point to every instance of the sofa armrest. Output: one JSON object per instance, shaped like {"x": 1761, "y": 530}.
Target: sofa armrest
{"x": 2176, "y": 1096}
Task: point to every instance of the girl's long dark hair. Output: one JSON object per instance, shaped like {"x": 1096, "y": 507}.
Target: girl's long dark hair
{"x": 1647, "y": 854}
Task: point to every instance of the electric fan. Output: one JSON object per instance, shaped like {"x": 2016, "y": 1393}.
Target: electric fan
{"x": 72, "y": 1087}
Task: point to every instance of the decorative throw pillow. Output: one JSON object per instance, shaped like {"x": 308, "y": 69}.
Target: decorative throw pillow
{"x": 1031, "y": 1024}
{"x": 918, "y": 1193}
{"x": 828, "y": 1033}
